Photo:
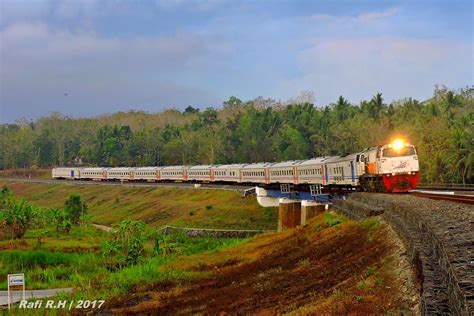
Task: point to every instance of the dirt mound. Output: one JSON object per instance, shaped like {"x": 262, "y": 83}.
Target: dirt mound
{"x": 349, "y": 268}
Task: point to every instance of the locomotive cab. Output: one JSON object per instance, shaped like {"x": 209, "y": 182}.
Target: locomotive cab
{"x": 391, "y": 167}
{"x": 397, "y": 158}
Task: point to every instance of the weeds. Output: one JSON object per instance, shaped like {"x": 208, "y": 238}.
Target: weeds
{"x": 332, "y": 219}
{"x": 369, "y": 271}
{"x": 304, "y": 263}
{"x": 378, "y": 281}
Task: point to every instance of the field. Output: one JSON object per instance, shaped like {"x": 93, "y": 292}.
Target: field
{"x": 330, "y": 266}
{"x": 76, "y": 260}
{"x": 155, "y": 206}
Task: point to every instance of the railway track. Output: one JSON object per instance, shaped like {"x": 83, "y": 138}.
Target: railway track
{"x": 460, "y": 198}
{"x": 439, "y": 236}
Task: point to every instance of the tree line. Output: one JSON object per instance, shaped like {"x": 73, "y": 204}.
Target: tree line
{"x": 441, "y": 127}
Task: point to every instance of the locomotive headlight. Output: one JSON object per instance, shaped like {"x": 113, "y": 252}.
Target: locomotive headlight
{"x": 397, "y": 144}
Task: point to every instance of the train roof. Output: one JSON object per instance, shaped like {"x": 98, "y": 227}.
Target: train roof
{"x": 231, "y": 166}
{"x": 94, "y": 169}
{"x": 314, "y": 161}
{"x": 333, "y": 159}
{"x": 342, "y": 158}
{"x": 119, "y": 169}
{"x": 257, "y": 165}
{"x": 146, "y": 168}
{"x": 201, "y": 167}
{"x": 289, "y": 163}
{"x": 174, "y": 167}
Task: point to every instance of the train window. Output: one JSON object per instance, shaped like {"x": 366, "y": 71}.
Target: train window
{"x": 405, "y": 151}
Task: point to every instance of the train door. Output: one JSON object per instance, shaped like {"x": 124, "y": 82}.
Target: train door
{"x": 326, "y": 172}
{"x": 361, "y": 165}
{"x": 352, "y": 171}
{"x": 72, "y": 174}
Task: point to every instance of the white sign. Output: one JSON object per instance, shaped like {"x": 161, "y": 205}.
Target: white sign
{"x": 17, "y": 279}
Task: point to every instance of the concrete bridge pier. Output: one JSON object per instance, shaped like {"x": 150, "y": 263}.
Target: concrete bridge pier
{"x": 289, "y": 215}
{"x": 310, "y": 209}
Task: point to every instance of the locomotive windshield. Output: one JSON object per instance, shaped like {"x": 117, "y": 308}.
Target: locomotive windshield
{"x": 404, "y": 151}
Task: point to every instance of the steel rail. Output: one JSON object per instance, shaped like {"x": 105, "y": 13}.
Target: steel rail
{"x": 467, "y": 199}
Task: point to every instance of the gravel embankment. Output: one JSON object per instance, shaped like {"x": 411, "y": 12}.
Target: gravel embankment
{"x": 440, "y": 239}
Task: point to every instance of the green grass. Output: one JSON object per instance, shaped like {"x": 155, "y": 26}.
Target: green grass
{"x": 52, "y": 259}
{"x": 84, "y": 269}
{"x": 333, "y": 219}
{"x": 155, "y": 206}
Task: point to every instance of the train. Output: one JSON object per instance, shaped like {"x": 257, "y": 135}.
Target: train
{"x": 392, "y": 167}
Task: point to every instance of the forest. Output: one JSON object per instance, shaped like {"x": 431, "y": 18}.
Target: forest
{"x": 441, "y": 127}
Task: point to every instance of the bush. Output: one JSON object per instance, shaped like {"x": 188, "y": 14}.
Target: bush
{"x": 75, "y": 208}
{"x": 125, "y": 246}
{"x": 61, "y": 219}
{"x": 5, "y": 196}
{"x": 16, "y": 217}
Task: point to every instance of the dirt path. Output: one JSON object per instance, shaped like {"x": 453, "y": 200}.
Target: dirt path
{"x": 103, "y": 227}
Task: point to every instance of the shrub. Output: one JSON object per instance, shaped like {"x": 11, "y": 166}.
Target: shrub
{"x": 75, "y": 208}
{"x": 61, "y": 219}
{"x": 126, "y": 245}
{"x": 5, "y": 196}
{"x": 16, "y": 217}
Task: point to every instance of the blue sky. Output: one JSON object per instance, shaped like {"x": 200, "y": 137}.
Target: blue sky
{"x": 111, "y": 55}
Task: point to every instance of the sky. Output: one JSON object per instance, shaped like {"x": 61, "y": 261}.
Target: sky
{"x": 88, "y": 57}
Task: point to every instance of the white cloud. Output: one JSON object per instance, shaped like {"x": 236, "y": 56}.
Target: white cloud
{"x": 393, "y": 66}
{"x": 370, "y": 16}
{"x": 363, "y": 17}
{"x": 200, "y": 5}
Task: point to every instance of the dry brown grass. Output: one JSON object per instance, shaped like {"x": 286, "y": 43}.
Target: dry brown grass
{"x": 329, "y": 270}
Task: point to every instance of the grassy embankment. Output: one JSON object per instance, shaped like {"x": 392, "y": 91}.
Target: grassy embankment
{"x": 332, "y": 265}
{"x": 75, "y": 260}
{"x": 155, "y": 206}
{"x": 51, "y": 259}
